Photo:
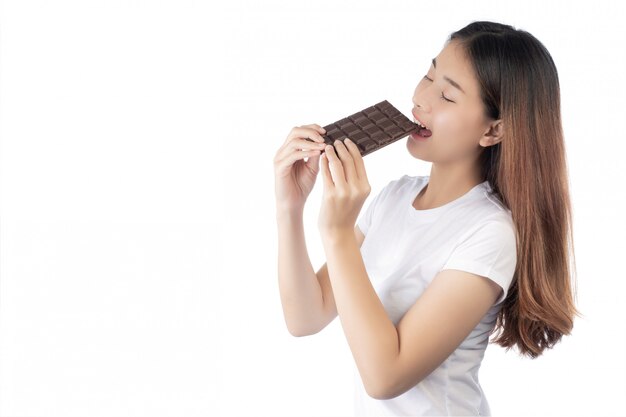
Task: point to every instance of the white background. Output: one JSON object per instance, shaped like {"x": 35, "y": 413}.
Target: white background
{"x": 138, "y": 242}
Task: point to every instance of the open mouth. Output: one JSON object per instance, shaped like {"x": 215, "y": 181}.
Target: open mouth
{"x": 423, "y": 131}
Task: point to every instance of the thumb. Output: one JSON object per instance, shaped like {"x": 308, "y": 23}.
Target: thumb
{"x": 313, "y": 163}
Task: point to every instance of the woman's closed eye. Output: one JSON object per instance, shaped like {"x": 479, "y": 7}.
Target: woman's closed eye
{"x": 446, "y": 99}
{"x": 442, "y": 96}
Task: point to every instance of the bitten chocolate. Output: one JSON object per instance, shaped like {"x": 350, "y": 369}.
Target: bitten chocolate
{"x": 372, "y": 128}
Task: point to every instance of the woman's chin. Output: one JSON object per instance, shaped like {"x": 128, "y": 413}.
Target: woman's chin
{"x": 416, "y": 150}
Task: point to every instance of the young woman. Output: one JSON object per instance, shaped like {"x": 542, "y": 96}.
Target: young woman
{"x": 438, "y": 263}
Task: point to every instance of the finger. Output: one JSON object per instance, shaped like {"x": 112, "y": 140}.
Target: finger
{"x": 293, "y": 153}
{"x": 326, "y": 175}
{"x": 287, "y": 160}
{"x": 296, "y": 145}
{"x": 313, "y": 162}
{"x": 304, "y": 132}
{"x": 336, "y": 168}
{"x": 359, "y": 164}
{"x": 346, "y": 161}
{"x": 299, "y": 143}
{"x": 318, "y": 127}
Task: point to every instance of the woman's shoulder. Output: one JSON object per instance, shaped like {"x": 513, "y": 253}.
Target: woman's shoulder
{"x": 494, "y": 201}
{"x": 403, "y": 184}
{"x": 493, "y": 210}
{"x": 408, "y": 180}
{"x": 481, "y": 206}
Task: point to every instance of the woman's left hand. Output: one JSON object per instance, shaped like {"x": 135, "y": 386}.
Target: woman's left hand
{"x": 345, "y": 188}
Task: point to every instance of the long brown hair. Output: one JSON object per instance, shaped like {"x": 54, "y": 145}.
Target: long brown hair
{"x": 527, "y": 172}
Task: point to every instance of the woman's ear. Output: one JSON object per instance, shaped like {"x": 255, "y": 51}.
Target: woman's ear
{"x": 493, "y": 134}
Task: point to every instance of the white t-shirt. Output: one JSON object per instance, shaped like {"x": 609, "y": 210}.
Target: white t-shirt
{"x": 403, "y": 251}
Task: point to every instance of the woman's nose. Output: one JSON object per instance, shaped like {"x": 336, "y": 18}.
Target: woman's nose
{"x": 420, "y": 105}
{"x": 420, "y": 101}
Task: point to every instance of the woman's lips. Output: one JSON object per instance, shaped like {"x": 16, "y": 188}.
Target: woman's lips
{"x": 417, "y": 137}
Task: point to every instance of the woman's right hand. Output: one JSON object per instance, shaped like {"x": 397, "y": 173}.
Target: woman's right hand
{"x": 294, "y": 178}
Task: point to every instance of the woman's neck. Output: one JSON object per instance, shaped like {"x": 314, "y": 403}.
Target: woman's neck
{"x": 445, "y": 184}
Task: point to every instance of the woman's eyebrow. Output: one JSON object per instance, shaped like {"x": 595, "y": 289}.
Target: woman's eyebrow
{"x": 451, "y": 81}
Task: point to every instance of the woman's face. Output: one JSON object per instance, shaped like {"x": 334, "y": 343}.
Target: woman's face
{"x": 458, "y": 125}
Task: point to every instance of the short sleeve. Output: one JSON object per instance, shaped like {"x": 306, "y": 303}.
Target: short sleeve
{"x": 489, "y": 250}
{"x": 365, "y": 220}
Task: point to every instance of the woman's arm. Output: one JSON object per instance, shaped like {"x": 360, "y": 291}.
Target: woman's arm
{"x": 393, "y": 359}
{"x": 307, "y": 298}
{"x": 300, "y": 292}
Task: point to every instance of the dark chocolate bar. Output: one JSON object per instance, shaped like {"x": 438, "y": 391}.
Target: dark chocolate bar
{"x": 372, "y": 128}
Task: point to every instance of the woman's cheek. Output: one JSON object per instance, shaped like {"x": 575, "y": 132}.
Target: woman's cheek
{"x": 452, "y": 135}
{"x": 447, "y": 126}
